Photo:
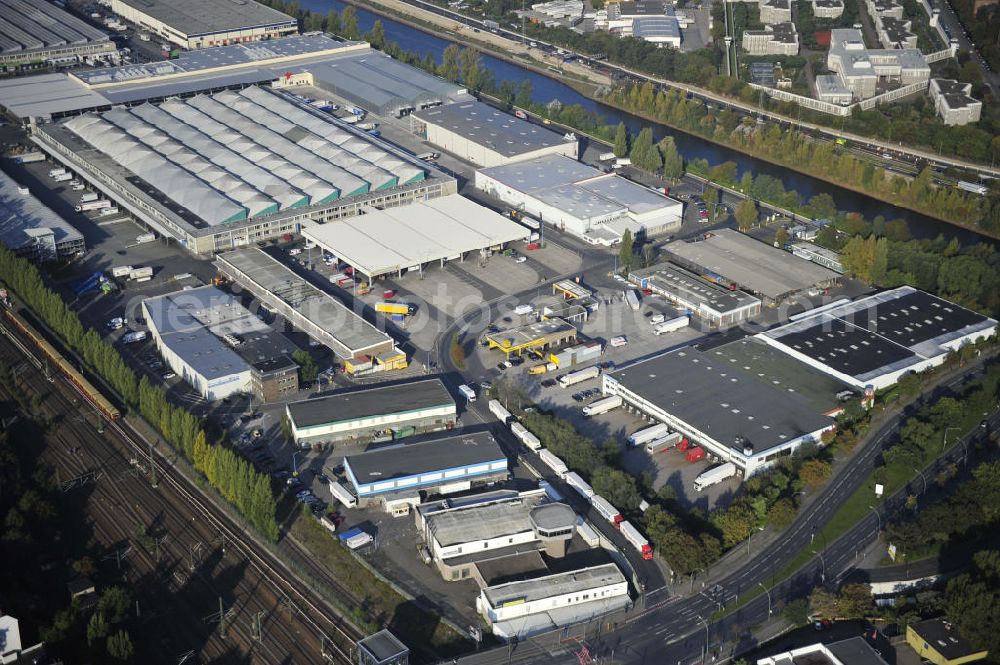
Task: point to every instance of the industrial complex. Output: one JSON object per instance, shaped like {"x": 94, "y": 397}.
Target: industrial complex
{"x": 204, "y": 170}
{"x": 200, "y": 334}
{"x": 875, "y": 340}
{"x": 443, "y": 465}
{"x": 376, "y": 413}
{"x": 396, "y": 240}
{"x": 195, "y": 24}
{"x": 734, "y": 415}
{"x": 318, "y": 314}
{"x": 487, "y": 136}
{"x": 34, "y": 32}
{"x": 581, "y": 200}
{"x": 735, "y": 259}
{"x": 30, "y": 228}
{"x": 715, "y": 304}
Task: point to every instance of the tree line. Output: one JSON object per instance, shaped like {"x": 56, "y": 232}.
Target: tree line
{"x": 798, "y": 150}
{"x": 178, "y": 427}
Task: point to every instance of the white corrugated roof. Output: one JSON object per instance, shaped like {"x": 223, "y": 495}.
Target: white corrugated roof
{"x": 383, "y": 241}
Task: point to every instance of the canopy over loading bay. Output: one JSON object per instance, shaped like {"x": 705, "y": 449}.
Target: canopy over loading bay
{"x": 394, "y": 240}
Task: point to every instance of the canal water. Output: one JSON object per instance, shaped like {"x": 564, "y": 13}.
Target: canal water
{"x": 545, "y": 89}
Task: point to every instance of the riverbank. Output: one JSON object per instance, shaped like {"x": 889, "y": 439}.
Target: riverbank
{"x": 519, "y": 55}
{"x": 582, "y": 79}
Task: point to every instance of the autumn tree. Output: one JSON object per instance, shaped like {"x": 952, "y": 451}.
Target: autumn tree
{"x": 746, "y": 215}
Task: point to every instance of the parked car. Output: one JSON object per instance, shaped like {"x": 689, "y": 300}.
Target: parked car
{"x": 548, "y": 383}
{"x": 168, "y": 375}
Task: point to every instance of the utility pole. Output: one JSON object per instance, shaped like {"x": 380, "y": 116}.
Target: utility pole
{"x": 152, "y": 467}
{"x": 222, "y": 618}
{"x": 256, "y": 629}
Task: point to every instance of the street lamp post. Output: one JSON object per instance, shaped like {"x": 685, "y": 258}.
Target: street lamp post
{"x": 761, "y": 584}
{"x": 822, "y": 562}
{"x": 706, "y": 634}
{"x": 923, "y": 479}
{"x": 878, "y": 516}
{"x": 944, "y": 439}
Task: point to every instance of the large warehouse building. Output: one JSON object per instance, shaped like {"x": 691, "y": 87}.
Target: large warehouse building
{"x": 716, "y": 305}
{"x": 443, "y": 465}
{"x": 200, "y": 333}
{"x": 36, "y": 32}
{"x": 221, "y": 171}
{"x": 487, "y": 136}
{"x": 396, "y": 240}
{"x": 318, "y": 314}
{"x": 764, "y": 270}
{"x": 31, "y": 229}
{"x": 580, "y": 199}
{"x": 736, "y": 416}
{"x": 875, "y": 340}
{"x": 351, "y": 70}
{"x": 379, "y": 412}
{"x": 195, "y": 24}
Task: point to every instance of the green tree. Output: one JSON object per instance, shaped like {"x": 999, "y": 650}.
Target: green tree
{"x": 736, "y": 522}
{"x": 823, "y": 603}
{"x": 746, "y": 214}
{"x": 450, "y": 68}
{"x": 333, "y": 22}
{"x": 711, "y": 197}
{"x": 781, "y": 237}
{"x": 796, "y": 612}
{"x": 781, "y": 513}
{"x": 644, "y": 154}
{"x": 349, "y": 23}
{"x": 617, "y": 487}
{"x": 97, "y": 629}
{"x": 524, "y": 92}
{"x": 855, "y": 601}
{"x": 815, "y": 472}
{"x": 376, "y": 36}
{"x": 621, "y": 140}
{"x": 114, "y": 604}
{"x": 120, "y": 646}
{"x": 673, "y": 163}
{"x": 626, "y": 251}
{"x": 307, "y": 366}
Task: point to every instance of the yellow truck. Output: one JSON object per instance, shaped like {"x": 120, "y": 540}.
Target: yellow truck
{"x": 542, "y": 369}
{"x": 389, "y": 307}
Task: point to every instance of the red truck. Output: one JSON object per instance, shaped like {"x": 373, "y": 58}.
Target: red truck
{"x": 695, "y": 454}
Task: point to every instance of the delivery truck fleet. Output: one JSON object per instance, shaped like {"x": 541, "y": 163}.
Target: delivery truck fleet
{"x": 602, "y": 506}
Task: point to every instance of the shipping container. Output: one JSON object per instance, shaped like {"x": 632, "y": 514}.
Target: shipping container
{"x": 637, "y": 540}
{"x": 121, "y": 271}
{"x": 57, "y": 172}
{"x": 525, "y": 437}
{"x": 93, "y": 205}
{"x": 579, "y": 376}
{"x": 632, "y": 298}
{"x": 587, "y": 533}
{"x": 664, "y": 442}
{"x": 63, "y": 177}
{"x": 355, "y": 538}
{"x": 713, "y": 476}
{"x": 648, "y": 434}
{"x": 387, "y": 307}
{"x": 606, "y": 156}
{"x": 557, "y": 465}
{"x": 145, "y": 237}
{"x": 695, "y": 454}
{"x": 29, "y": 157}
{"x": 602, "y": 405}
{"x": 140, "y": 272}
{"x": 672, "y": 325}
{"x": 574, "y": 480}
{"x": 89, "y": 196}
{"x": 550, "y": 491}
{"x": 502, "y": 414}
{"x": 606, "y": 510}
{"x": 342, "y": 494}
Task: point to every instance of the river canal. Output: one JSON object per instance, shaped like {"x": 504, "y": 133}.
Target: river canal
{"x": 545, "y": 89}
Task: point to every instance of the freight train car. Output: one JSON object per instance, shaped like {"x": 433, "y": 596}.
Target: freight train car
{"x": 86, "y": 388}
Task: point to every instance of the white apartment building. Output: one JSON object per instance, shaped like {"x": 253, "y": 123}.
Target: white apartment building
{"x": 954, "y": 102}
{"x": 778, "y": 39}
{"x": 828, "y": 8}
{"x": 863, "y": 70}
{"x": 775, "y": 11}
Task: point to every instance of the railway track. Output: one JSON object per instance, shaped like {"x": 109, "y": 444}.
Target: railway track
{"x": 194, "y": 549}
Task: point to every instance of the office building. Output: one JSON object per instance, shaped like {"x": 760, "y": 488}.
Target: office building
{"x": 776, "y": 39}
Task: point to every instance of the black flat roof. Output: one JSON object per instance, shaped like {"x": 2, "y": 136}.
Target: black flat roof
{"x": 914, "y": 318}
{"x": 846, "y": 348}
{"x": 944, "y": 638}
{"x": 366, "y": 402}
{"x": 450, "y": 452}
{"x": 721, "y": 400}
{"x": 383, "y": 645}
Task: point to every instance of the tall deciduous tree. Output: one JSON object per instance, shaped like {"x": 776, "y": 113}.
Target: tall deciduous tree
{"x": 349, "y": 23}
{"x": 621, "y": 140}
{"x": 746, "y": 214}
{"x": 626, "y": 250}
